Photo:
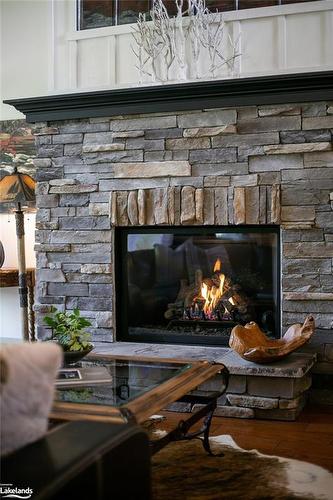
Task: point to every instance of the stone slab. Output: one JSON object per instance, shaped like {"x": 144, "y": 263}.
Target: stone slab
{"x": 295, "y": 365}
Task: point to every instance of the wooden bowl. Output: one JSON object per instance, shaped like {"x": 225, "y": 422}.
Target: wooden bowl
{"x": 253, "y": 345}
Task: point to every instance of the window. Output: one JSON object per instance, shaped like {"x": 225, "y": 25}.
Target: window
{"x": 101, "y": 13}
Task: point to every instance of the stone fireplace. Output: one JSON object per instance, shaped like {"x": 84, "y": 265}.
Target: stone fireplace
{"x": 254, "y": 165}
{"x": 242, "y": 169}
{"x": 253, "y": 152}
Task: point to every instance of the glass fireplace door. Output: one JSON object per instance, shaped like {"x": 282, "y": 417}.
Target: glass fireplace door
{"x": 192, "y": 285}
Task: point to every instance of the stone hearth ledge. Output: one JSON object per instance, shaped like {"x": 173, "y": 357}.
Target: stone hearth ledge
{"x": 295, "y": 365}
{"x": 276, "y": 391}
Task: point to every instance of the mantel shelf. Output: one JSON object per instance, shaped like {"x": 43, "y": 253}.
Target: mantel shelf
{"x": 275, "y": 89}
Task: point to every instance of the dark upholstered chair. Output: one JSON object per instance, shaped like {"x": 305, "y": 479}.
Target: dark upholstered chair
{"x": 90, "y": 460}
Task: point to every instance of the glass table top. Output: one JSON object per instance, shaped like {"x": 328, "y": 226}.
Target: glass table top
{"x": 116, "y": 382}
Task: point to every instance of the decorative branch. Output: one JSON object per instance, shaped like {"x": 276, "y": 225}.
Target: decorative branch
{"x": 161, "y": 44}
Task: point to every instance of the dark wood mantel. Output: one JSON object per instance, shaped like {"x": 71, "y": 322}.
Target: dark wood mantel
{"x": 275, "y": 89}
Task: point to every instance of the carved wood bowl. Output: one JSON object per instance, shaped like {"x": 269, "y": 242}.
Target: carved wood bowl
{"x": 253, "y": 345}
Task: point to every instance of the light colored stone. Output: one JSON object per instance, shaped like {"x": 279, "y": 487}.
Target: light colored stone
{"x": 131, "y": 184}
{"x": 161, "y": 206}
{"x": 239, "y": 205}
{"x": 262, "y": 205}
{"x": 199, "y": 202}
{"x": 209, "y": 207}
{"x": 275, "y": 162}
{"x": 208, "y": 119}
{"x": 152, "y": 169}
{"x": 217, "y": 181}
{"x": 141, "y": 207}
{"x": 233, "y": 412}
{"x": 319, "y": 159}
{"x": 132, "y": 208}
{"x": 308, "y": 296}
{"x": 122, "y": 216}
{"x": 252, "y": 205}
{"x": 96, "y": 269}
{"x": 317, "y": 122}
{"x": 171, "y": 205}
{"x": 187, "y": 205}
{"x": 113, "y": 207}
{"x": 95, "y": 148}
{"x": 297, "y": 213}
{"x": 330, "y": 110}
{"x": 62, "y": 182}
{"x": 279, "y": 110}
{"x": 307, "y": 147}
{"x": 152, "y": 122}
{"x": 221, "y": 206}
{"x": 73, "y": 188}
{"x": 209, "y": 131}
{"x": 99, "y": 209}
{"x": 150, "y": 208}
{"x": 244, "y": 180}
{"x": 104, "y": 319}
{"x": 245, "y": 140}
{"x": 270, "y": 124}
{"x": 246, "y": 401}
{"x": 128, "y": 134}
{"x": 308, "y": 249}
{"x": 188, "y": 143}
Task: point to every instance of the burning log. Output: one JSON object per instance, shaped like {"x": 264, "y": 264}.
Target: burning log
{"x": 210, "y": 299}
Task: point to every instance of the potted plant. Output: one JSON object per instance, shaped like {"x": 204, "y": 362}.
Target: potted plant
{"x": 68, "y": 330}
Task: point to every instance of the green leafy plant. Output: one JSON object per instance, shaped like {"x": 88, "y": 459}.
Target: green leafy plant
{"x": 68, "y": 329}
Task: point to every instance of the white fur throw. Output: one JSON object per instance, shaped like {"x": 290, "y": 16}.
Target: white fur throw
{"x": 27, "y": 388}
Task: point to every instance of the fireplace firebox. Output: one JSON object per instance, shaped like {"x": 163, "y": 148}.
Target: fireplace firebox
{"x": 193, "y": 284}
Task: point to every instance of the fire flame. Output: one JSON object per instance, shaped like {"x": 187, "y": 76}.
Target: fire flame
{"x": 212, "y": 294}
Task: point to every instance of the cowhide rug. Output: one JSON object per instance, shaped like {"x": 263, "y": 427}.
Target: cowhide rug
{"x": 183, "y": 470}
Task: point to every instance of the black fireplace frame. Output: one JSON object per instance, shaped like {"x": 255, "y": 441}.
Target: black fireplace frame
{"x": 121, "y": 279}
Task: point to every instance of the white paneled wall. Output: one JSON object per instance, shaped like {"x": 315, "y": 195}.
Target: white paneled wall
{"x": 50, "y": 56}
{"x": 290, "y": 38}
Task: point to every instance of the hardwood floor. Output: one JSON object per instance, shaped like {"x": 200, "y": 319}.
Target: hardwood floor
{"x": 310, "y": 438}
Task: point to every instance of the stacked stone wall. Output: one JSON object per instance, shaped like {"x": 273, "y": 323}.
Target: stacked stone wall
{"x": 248, "y": 165}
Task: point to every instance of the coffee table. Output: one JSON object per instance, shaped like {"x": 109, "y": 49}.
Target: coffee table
{"x": 140, "y": 387}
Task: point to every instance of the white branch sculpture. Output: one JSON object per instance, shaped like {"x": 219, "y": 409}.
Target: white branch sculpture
{"x": 174, "y": 48}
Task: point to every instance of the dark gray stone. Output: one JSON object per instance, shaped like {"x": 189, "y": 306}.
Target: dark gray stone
{"x": 73, "y": 200}
{"x": 164, "y": 133}
{"x": 295, "y": 137}
{"x": 213, "y": 155}
{"x": 94, "y": 304}
{"x": 114, "y": 156}
{"x": 216, "y": 169}
{"x": 82, "y": 126}
{"x": 269, "y": 124}
{"x": 59, "y": 289}
{"x": 50, "y": 151}
{"x": 47, "y": 200}
{"x": 91, "y": 222}
{"x": 81, "y": 236}
{"x": 100, "y": 290}
{"x": 147, "y": 145}
{"x": 152, "y": 122}
{"x": 299, "y": 266}
{"x": 208, "y": 118}
{"x": 287, "y": 388}
{"x": 67, "y": 138}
